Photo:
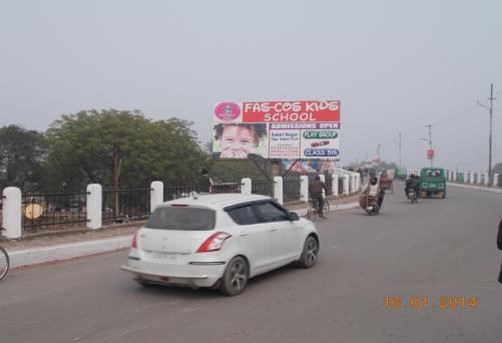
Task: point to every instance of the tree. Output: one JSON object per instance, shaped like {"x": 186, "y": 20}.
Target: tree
{"x": 120, "y": 149}
{"x": 21, "y": 157}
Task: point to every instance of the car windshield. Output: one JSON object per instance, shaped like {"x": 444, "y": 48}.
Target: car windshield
{"x": 181, "y": 218}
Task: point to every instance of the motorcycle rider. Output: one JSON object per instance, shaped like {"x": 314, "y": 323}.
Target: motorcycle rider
{"x": 413, "y": 182}
{"x": 374, "y": 190}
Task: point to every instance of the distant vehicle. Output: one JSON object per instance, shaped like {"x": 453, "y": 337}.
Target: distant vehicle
{"x": 432, "y": 182}
{"x": 386, "y": 182}
{"x": 219, "y": 241}
{"x": 400, "y": 174}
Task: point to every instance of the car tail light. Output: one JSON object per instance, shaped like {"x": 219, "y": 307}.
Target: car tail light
{"x": 134, "y": 243}
{"x": 214, "y": 242}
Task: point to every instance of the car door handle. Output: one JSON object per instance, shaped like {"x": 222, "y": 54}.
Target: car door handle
{"x": 243, "y": 234}
{"x": 274, "y": 230}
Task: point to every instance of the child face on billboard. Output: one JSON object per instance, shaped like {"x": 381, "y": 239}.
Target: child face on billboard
{"x": 236, "y": 141}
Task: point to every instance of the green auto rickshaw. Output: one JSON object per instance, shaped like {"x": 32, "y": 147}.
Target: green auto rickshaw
{"x": 400, "y": 174}
{"x": 432, "y": 182}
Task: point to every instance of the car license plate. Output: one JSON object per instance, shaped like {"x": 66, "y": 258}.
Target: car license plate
{"x": 162, "y": 256}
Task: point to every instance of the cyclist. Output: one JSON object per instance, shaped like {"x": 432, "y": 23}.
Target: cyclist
{"x": 315, "y": 191}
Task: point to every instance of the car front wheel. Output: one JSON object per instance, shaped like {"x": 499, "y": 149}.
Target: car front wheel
{"x": 235, "y": 277}
{"x": 310, "y": 252}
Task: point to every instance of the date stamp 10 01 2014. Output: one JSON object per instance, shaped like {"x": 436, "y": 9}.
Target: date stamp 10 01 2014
{"x": 452, "y": 302}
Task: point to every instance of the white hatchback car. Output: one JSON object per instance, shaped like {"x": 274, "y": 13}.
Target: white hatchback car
{"x": 219, "y": 240}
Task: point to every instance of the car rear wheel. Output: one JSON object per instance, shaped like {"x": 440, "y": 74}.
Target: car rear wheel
{"x": 236, "y": 277}
{"x": 310, "y": 252}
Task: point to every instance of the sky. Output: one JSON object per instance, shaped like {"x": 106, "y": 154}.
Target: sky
{"x": 396, "y": 66}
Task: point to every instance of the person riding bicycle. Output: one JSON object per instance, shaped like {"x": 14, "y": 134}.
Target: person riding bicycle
{"x": 315, "y": 191}
{"x": 413, "y": 182}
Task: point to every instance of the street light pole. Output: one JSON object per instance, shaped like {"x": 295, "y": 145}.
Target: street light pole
{"x": 490, "y": 139}
{"x": 491, "y": 98}
{"x": 430, "y": 141}
{"x": 399, "y": 143}
{"x": 399, "y": 149}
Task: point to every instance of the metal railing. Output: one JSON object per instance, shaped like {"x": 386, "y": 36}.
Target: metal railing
{"x": 125, "y": 205}
{"x": 263, "y": 188}
{"x": 291, "y": 188}
{"x": 328, "y": 181}
{"x": 226, "y": 187}
{"x": 57, "y": 211}
{"x": 53, "y": 211}
{"x": 180, "y": 191}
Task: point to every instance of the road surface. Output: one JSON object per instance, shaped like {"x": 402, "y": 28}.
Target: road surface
{"x": 436, "y": 248}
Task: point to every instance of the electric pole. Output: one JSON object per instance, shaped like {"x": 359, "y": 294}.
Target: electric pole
{"x": 430, "y": 141}
{"x": 400, "y": 149}
{"x": 491, "y": 98}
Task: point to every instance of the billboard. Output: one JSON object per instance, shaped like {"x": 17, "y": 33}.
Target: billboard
{"x": 306, "y": 129}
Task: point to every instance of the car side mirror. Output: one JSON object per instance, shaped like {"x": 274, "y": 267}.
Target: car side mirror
{"x": 293, "y": 216}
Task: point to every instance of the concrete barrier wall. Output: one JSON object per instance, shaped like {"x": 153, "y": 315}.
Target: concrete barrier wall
{"x": 11, "y": 219}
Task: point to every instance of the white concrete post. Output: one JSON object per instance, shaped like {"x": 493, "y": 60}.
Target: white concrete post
{"x": 471, "y": 177}
{"x": 278, "y": 189}
{"x": 246, "y": 186}
{"x": 346, "y": 184}
{"x": 478, "y": 178}
{"x": 156, "y": 194}
{"x": 334, "y": 184}
{"x": 487, "y": 179}
{"x": 495, "y": 180}
{"x": 11, "y": 221}
{"x": 94, "y": 206}
{"x": 455, "y": 176}
{"x": 352, "y": 183}
{"x": 304, "y": 188}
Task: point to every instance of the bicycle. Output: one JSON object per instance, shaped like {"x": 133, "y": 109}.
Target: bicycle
{"x": 313, "y": 211}
{"x": 4, "y": 263}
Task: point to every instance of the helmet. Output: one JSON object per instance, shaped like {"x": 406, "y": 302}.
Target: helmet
{"x": 317, "y": 177}
{"x": 373, "y": 180}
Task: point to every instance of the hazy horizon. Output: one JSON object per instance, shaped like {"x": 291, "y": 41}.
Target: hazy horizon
{"x": 395, "y": 66}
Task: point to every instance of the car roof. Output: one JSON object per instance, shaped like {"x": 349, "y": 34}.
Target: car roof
{"x": 216, "y": 200}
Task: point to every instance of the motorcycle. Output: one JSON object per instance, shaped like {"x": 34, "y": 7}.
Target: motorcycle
{"x": 412, "y": 195}
{"x": 369, "y": 204}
